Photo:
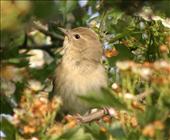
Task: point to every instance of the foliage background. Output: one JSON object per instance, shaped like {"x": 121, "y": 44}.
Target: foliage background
{"x": 136, "y": 40}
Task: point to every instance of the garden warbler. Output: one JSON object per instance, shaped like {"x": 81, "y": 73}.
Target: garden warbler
{"x": 80, "y": 71}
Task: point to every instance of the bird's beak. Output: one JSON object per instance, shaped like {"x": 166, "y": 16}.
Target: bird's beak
{"x": 65, "y": 31}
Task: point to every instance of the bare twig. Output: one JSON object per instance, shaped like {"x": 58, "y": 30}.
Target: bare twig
{"x": 97, "y": 115}
{"x": 91, "y": 117}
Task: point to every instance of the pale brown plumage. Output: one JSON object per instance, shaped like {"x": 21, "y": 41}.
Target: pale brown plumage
{"x": 80, "y": 71}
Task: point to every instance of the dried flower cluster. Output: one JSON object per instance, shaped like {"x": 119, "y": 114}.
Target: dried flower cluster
{"x": 150, "y": 129}
{"x": 35, "y": 112}
{"x": 158, "y": 72}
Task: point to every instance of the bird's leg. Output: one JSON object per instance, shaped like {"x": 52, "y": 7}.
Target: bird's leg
{"x": 69, "y": 118}
{"x": 110, "y": 111}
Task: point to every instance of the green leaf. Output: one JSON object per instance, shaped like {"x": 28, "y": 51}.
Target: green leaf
{"x": 12, "y": 38}
{"x": 8, "y": 129}
{"x": 116, "y": 130}
{"x": 18, "y": 62}
{"x": 67, "y": 6}
{"x": 11, "y": 52}
{"x": 5, "y": 106}
{"x": 105, "y": 98}
{"x": 124, "y": 54}
{"x": 42, "y": 74}
{"x": 77, "y": 133}
{"x": 94, "y": 130}
{"x": 19, "y": 91}
{"x": 166, "y": 100}
{"x": 133, "y": 136}
{"x": 44, "y": 9}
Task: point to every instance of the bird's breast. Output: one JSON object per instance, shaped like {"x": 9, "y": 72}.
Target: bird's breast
{"x": 84, "y": 77}
{"x": 79, "y": 80}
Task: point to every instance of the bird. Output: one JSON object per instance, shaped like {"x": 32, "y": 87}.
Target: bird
{"x": 80, "y": 71}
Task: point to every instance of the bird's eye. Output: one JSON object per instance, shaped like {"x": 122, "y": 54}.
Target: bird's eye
{"x": 77, "y": 36}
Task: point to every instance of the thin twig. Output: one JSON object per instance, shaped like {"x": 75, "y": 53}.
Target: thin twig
{"x": 97, "y": 115}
